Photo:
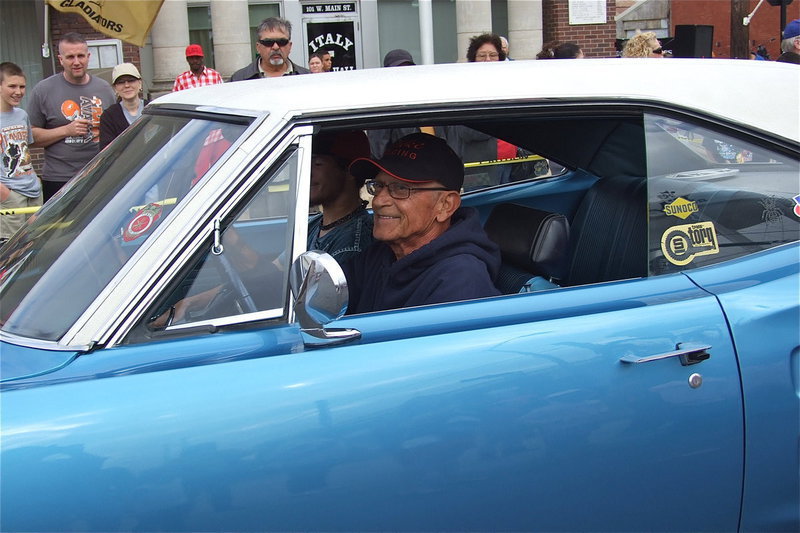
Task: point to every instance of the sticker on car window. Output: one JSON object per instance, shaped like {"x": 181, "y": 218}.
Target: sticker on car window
{"x": 141, "y": 222}
{"x": 797, "y": 205}
{"x": 681, "y": 208}
{"x": 681, "y": 244}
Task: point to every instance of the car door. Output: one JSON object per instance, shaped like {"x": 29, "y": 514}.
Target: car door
{"x": 513, "y": 413}
{"x": 737, "y": 204}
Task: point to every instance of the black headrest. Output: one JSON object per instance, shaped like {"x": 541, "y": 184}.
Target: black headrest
{"x": 531, "y": 239}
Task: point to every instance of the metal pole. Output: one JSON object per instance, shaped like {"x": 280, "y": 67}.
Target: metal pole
{"x": 783, "y": 20}
{"x": 426, "y": 31}
{"x": 740, "y": 33}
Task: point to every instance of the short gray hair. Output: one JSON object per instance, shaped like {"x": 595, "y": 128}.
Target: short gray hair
{"x": 275, "y": 23}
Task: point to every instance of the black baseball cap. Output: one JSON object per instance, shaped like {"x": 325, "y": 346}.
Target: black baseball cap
{"x": 415, "y": 158}
{"x": 398, "y": 58}
{"x": 345, "y": 145}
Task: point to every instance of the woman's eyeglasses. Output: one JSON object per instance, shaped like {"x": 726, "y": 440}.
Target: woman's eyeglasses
{"x": 269, "y": 43}
{"x": 658, "y": 50}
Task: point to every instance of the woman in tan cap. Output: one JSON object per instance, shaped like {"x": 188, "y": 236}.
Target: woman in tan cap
{"x": 127, "y": 83}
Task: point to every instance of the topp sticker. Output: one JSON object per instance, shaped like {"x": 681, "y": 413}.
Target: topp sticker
{"x": 142, "y": 221}
{"x": 681, "y": 244}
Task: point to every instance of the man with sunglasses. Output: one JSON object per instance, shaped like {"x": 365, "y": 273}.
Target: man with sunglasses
{"x": 430, "y": 249}
{"x": 273, "y": 44}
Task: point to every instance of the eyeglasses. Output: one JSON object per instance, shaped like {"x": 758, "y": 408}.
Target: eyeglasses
{"x": 491, "y": 55}
{"x": 398, "y": 191}
{"x": 126, "y": 81}
{"x": 658, "y": 50}
{"x": 269, "y": 43}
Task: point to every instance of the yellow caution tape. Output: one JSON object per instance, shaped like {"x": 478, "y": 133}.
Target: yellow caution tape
{"x": 165, "y": 201}
{"x": 35, "y": 208}
{"x": 21, "y": 210}
{"x": 504, "y": 161}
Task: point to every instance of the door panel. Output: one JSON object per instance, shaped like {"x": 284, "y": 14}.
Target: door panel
{"x": 503, "y": 414}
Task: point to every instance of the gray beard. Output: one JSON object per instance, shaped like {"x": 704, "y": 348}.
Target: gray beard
{"x": 276, "y": 61}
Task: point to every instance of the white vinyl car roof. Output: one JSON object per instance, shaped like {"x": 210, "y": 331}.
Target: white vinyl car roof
{"x": 757, "y": 94}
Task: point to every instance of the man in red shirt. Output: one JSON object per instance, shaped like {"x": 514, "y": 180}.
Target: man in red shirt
{"x": 198, "y": 74}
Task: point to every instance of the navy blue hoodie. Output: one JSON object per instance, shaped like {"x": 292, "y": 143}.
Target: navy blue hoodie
{"x": 460, "y": 264}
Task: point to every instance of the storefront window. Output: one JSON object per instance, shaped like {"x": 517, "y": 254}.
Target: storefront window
{"x": 200, "y": 32}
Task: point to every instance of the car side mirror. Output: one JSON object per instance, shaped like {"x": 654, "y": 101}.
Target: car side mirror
{"x": 319, "y": 288}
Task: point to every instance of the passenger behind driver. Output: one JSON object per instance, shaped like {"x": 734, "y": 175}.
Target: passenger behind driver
{"x": 344, "y": 227}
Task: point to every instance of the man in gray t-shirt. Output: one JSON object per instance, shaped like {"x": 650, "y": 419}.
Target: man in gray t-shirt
{"x": 65, "y": 111}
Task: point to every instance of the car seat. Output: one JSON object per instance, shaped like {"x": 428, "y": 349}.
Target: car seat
{"x": 533, "y": 245}
{"x": 608, "y": 238}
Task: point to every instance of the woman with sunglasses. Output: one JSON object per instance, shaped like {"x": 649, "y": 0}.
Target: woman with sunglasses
{"x": 643, "y": 45}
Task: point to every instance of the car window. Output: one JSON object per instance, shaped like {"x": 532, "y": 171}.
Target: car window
{"x": 489, "y": 160}
{"x": 68, "y": 254}
{"x": 241, "y": 269}
{"x": 713, "y": 197}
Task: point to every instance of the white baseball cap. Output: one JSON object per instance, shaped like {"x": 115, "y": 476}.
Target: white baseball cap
{"x": 125, "y": 69}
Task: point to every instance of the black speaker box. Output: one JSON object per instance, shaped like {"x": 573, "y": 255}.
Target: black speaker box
{"x": 692, "y": 40}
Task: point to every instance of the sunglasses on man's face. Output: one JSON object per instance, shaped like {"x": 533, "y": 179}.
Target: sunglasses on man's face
{"x": 269, "y": 43}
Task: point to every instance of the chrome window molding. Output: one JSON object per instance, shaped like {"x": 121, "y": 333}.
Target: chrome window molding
{"x": 215, "y": 207}
{"x": 121, "y": 304}
{"x": 267, "y": 314}
{"x": 38, "y": 344}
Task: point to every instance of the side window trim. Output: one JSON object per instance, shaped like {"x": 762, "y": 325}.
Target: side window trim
{"x": 227, "y": 212}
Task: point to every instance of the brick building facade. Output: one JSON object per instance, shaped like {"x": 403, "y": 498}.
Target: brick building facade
{"x": 595, "y": 40}
{"x": 62, "y": 23}
{"x": 764, "y": 28}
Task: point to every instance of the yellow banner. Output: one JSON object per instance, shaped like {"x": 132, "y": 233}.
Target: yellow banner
{"x": 128, "y": 20}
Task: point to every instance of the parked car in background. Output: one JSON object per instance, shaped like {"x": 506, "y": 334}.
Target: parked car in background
{"x": 641, "y": 371}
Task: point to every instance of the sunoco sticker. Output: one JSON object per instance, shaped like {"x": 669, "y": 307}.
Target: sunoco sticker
{"x": 681, "y": 208}
{"x": 681, "y": 244}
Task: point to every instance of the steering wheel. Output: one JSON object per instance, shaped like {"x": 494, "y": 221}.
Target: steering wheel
{"x": 241, "y": 293}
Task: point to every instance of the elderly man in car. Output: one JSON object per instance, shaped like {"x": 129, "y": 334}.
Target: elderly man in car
{"x": 429, "y": 249}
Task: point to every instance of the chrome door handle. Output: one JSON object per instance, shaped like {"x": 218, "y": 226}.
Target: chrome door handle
{"x": 688, "y": 353}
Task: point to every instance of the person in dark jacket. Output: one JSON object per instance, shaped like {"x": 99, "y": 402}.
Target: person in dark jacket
{"x": 127, "y": 83}
{"x": 429, "y": 249}
{"x": 273, "y": 43}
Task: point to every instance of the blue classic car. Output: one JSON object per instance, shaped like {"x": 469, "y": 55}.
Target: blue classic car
{"x": 640, "y": 372}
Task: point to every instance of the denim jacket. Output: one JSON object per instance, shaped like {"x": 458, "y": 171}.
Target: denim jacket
{"x": 344, "y": 241}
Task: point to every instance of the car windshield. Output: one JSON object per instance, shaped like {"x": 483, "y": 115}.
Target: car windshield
{"x": 67, "y": 254}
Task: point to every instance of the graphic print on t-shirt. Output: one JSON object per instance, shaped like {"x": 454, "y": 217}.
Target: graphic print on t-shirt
{"x": 16, "y": 156}
{"x": 89, "y": 108}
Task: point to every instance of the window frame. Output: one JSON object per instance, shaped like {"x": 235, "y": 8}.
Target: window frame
{"x": 94, "y": 51}
{"x": 462, "y": 112}
{"x": 297, "y": 142}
